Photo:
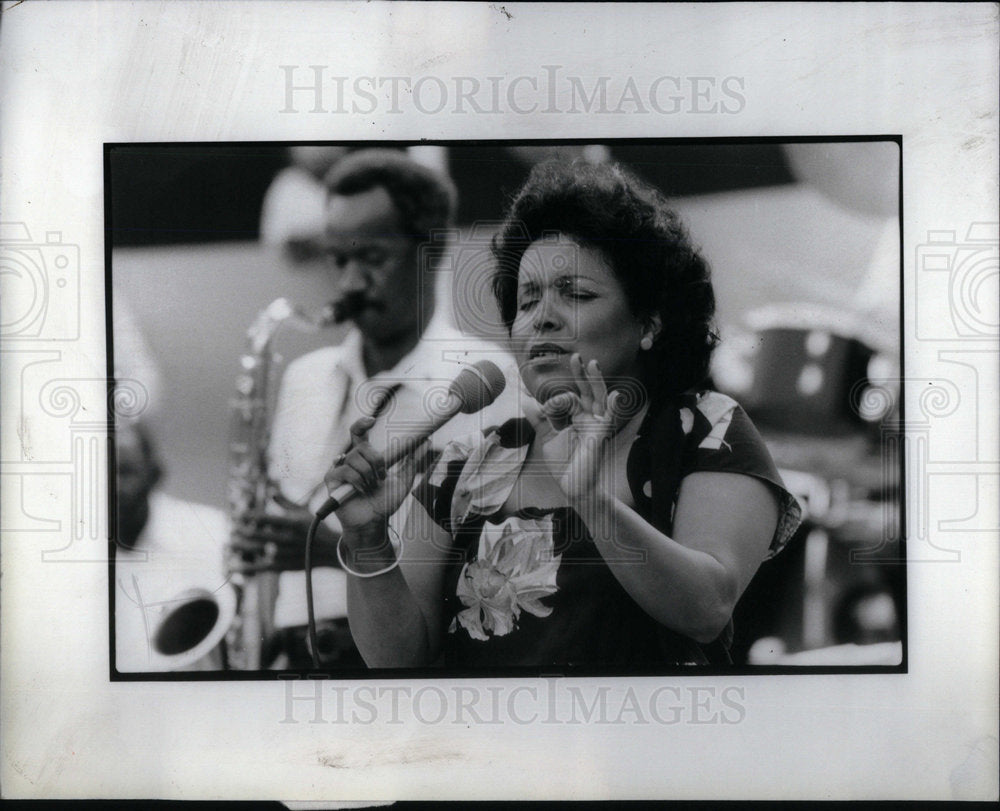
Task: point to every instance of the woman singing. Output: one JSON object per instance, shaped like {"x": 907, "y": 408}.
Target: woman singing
{"x": 615, "y": 525}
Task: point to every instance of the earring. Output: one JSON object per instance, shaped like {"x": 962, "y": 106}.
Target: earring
{"x": 646, "y": 343}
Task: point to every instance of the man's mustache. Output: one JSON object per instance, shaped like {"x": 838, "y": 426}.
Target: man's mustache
{"x": 352, "y": 305}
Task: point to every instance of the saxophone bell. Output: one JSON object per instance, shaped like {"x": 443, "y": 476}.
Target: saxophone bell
{"x": 173, "y": 603}
{"x": 224, "y": 608}
{"x": 190, "y": 626}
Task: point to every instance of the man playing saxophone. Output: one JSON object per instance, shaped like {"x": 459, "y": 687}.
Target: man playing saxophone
{"x": 383, "y": 211}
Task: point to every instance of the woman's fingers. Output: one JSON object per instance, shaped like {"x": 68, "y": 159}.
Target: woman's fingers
{"x": 359, "y": 430}
{"x": 618, "y": 412}
{"x": 560, "y": 409}
{"x": 359, "y": 463}
{"x": 590, "y": 383}
{"x": 598, "y": 388}
{"x": 563, "y": 403}
{"x": 362, "y": 467}
{"x": 405, "y": 470}
{"x": 372, "y": 456}
{"x": 346, "y": 474}
{"x": 581, "y": 381}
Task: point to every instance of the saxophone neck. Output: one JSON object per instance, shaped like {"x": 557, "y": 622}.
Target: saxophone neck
{"x": 280, "y": 312}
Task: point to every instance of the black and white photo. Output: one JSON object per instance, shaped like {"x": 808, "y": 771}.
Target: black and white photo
{"x": 411, "y": 281}
{"x": 671, "y": 327}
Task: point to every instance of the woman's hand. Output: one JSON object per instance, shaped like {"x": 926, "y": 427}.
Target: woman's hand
{"x": 380, "y": 492}
{"x": 591, "y": 418}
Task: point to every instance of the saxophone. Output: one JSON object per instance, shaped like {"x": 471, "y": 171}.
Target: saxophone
{"x": 251, "y": 489}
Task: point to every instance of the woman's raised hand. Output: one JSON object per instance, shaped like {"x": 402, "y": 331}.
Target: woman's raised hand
{"x": 591, "y": 416}
{"x": 380, "y": 491}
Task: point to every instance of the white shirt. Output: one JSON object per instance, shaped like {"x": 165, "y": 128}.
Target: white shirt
{"x": 324, "y": 392}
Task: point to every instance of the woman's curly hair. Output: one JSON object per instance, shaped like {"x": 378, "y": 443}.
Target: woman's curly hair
{"x": 648, "y": 249}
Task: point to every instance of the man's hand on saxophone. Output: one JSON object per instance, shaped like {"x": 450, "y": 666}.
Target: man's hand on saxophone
{"x": 277, "y": 543}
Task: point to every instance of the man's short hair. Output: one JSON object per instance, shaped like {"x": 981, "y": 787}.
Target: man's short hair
{"x": 425, "y": 199}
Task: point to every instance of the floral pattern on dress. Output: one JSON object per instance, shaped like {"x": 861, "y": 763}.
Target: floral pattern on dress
{"x": 487, "y": 478}
{"x": 515, "y": 566}
{"x": 458, "y": 450}
{"x": 514, "y": 569}
{"x": 718, "y": 410}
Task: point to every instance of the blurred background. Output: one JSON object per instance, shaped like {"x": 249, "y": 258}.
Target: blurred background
{"x": 803, "y": 240}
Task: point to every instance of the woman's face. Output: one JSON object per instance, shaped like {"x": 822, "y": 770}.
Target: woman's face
{"x": 568, "y": 300}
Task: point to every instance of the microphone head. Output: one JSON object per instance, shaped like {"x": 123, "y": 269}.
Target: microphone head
{"x": 477, "y": 386}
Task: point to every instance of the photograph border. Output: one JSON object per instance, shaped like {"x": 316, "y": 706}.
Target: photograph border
{"x": 574, "y": 672}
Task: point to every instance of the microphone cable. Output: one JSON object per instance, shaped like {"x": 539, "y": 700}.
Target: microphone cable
{"x": 476, "y": 387}
{"x": 310, "y": 608}
{"x": 386, "y": 397}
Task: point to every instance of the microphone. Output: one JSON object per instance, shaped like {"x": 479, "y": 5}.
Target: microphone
{"x": 474, "y": 388}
